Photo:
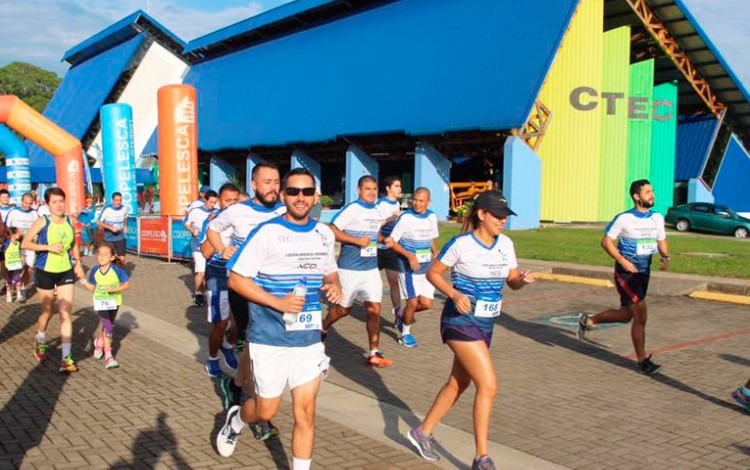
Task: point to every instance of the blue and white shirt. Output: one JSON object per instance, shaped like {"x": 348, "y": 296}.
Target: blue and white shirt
{"x": 21, "y": 219}
{"x": 4, "y": 211}
{"x": 276, "y": 256}
{"x": 359, "y": 219}
{"x": 636, "y": 234}
{"x": 216, "y": 266}
{"x": 194, "y": 219}
{"x": 479, "y": 272}
{"x": 387, "y": 208}
{"x": 241, "y": 218}
{"x": 115, "y": 217}
{"x": 415, "y": 232}
{"x": 195, "y": 204}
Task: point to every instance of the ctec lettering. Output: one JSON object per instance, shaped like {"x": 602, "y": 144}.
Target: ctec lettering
{"x": 585, "y": 98}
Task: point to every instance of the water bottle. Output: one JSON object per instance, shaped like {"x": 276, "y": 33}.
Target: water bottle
{"x": 300, "y": 290}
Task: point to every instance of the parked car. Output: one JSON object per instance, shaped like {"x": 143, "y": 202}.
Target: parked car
{"x": 705, "y": 217}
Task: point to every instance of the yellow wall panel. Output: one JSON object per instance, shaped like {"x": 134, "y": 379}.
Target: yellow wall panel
{"x": 572, "y": 145}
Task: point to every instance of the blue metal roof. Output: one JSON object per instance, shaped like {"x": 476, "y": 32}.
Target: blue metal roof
{"x": 695, "y": 139}
{"x": 266, "y": 18}
{"x": 394, "y": 68}
{"x": 730, "y": 186}
{"x": 125, "y": 29}
{"x": 82, "y": 92}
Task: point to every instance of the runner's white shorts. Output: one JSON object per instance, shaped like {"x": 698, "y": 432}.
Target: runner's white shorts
{"x": 275, "y": 367}
{"x": 199, "y": 261}
{"x": 365, "y": 286}
{"x": 217, "y": 299}
{"x": 29, "y": 257}
{"x": 415, "y": 285}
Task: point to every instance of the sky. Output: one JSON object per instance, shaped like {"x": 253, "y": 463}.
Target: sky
{"x": 41, "y": 31}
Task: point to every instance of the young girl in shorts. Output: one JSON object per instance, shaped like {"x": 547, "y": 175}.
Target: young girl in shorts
{"x": 13, "y": 264}
{"x": 107, "y": 282}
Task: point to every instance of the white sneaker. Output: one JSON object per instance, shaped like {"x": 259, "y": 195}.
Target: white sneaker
{"x": 226, "y": 440}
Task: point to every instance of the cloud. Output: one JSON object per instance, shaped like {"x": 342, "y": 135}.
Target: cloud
{"x": 41, "y": 31}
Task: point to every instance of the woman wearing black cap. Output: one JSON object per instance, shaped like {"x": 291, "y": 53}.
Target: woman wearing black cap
{"x": 482, "y": 260}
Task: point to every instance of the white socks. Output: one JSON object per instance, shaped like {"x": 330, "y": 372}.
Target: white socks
{"x": 405, "y": 330}
{"x": 237, "y": 424}
{"x": 301, "y": 464}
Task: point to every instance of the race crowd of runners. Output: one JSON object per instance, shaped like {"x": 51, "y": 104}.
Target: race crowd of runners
{"x": 272, "y": 288}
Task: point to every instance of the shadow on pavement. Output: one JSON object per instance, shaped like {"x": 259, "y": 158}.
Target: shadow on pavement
{"x": 551, "y": 336}
{"x": 22, "y": 318}
{"x": 736, "y": 359}
{"x": 27, "y": 413}
{"x": 349, "y": 360}
{"x": 151, "y": 444}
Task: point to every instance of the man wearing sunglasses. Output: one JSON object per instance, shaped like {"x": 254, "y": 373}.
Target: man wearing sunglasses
{"x": 357, "y": 227}
{"x": 284, "y": 335}
{"x": 235, "y": 223}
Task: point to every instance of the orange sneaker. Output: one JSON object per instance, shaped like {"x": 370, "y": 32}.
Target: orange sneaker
{"x": 68, "y": 365}
{"x": 377, "y": 360}
{"x": 40, "y": 351}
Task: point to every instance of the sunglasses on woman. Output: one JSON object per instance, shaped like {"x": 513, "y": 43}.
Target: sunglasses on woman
{"x": 292, "y": 191}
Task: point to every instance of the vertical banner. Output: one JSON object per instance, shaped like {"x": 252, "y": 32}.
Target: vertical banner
{"x": 181, "y": 238}
{"x": 178, "y": 148}
{"x": 118, "y": 162}
{"x": 17, "y": 163}
{"x": 154, "y": 235}
{"x": 131, "y": 238}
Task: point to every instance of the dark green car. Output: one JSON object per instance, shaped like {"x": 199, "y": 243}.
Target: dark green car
{"x": 705, "y": 217}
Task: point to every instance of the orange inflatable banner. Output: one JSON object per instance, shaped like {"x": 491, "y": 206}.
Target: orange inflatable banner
{"x": 67, "y": 149}
{"x": 178, "y": 148}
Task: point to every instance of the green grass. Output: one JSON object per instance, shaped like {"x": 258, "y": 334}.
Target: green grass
{"x": 580, "y": 245}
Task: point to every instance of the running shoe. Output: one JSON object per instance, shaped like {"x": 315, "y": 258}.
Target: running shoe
{"x": 213, "y": 369}
{"x": 408, "y": 341}
{"x": 263, "y": 430}
{"x": 229, "y": 358}
{"x": 424, "y": 444}
{"x": 98, "y": 348}
{"x": 226, "y": 440}
{"x": 377, "y": 360}
{"x": 111, "y": 363}
{"x": 22, "y": 296}
{"x": 483, "y": 463}
{"x": 68, "y": 365}
{"x": 647, "y": 367}
{"x": 40, "y": 351}
{"x": 239, "y": 345}
{"x": 9, "y": 297}
{"x": 742, "y": 399}
{"x": 583, "y": 325}
{"x": 230, "y": 394}
{"x": 198, "y": 300}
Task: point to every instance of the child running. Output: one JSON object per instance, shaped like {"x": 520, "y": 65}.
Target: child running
{"x": 107, "y": 282}
{"x": 13, "y": 264}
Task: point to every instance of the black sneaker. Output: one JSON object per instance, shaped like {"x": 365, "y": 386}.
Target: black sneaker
{"x": 263, "y": 430}
{"x": 583, "y": 325}
{"x": 230, "y": 394}
{"x": 198, "y": 300}
{"x": 647, "y": 367}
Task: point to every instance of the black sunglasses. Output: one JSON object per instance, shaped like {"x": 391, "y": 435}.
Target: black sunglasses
{"x": 292, "y": 191}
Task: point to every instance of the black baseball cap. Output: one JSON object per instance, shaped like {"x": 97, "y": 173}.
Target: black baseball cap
{"x": 495, "y": 203}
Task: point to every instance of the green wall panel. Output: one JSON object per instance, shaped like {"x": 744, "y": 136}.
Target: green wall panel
{"x": 640, "y": 126}
{"x": 614, "y": 141}
{"x": 663, "y": 144}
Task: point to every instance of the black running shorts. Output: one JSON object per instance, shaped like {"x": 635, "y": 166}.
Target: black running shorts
{"x": 240, "y": 312}
{"x": 48, "y": 281}
{"x": 632, "y": 287}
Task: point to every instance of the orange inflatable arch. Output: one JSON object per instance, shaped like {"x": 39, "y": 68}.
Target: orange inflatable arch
{"x": 46, "y": 134}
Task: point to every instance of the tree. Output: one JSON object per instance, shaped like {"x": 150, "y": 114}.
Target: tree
{"x": 32, "y": 84}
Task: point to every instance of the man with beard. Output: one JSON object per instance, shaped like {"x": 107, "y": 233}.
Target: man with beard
{"x": 640, "y": 234}
{"x": 235, "y": 223}
{"x": 283, "y": 269}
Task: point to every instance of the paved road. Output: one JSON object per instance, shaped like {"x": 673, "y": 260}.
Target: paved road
{"x": 562, "y": 403}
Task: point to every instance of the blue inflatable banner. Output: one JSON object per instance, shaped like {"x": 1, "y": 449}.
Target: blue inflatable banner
{"x": 17, "y": 163}
{"x": 118, "y": 162}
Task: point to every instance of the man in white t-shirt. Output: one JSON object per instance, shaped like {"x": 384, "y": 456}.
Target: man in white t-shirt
{"x": 640, "y": 234}
{"x": 23, "y": 218}
{"x": 194, "y": 223}
{"x": 413, "y": 239}
{"x": 390, "y": 208}
{"x": 357, "y": 227}
{"x": 283, "y": 269}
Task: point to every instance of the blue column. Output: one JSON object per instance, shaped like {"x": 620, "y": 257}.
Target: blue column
{"x": 220, "y": 172}
{"x": 522, "y": 184}
{"x": 17, "y": 163}
{"x": 433, "y": 171}
{"x": 118, "y": 154}
{"x": 358, "y": 164}
{"x": 301, "y": 160}
{"x": 250, "y": 163}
